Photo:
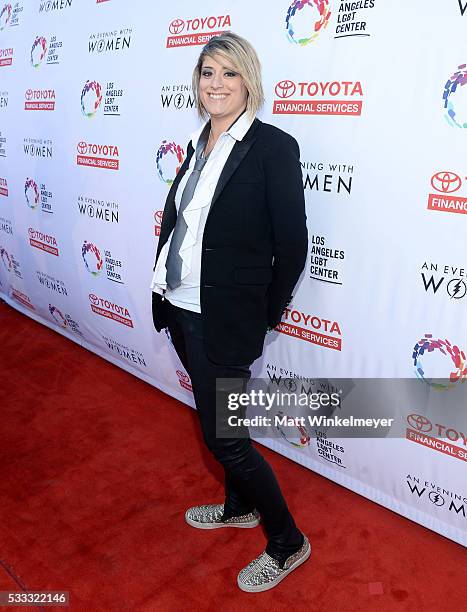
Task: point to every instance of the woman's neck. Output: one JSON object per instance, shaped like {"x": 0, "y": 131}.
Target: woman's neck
{"x": 218, "y": 126}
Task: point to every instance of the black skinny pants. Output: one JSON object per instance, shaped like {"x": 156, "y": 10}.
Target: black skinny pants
{"x": 249, "y": 480}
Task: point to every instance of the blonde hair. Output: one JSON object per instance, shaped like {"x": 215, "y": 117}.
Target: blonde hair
{"x": 241, "y": 54}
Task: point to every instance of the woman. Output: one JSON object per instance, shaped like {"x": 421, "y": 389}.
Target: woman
{"x": 232, "y": 245}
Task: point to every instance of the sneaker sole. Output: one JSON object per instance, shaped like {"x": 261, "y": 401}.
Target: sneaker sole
{"x": 198, "y": 525}
{"x": 271, "y": 585}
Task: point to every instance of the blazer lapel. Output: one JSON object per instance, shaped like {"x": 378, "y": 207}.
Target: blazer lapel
{"x": 239, "y": 150}
{"x": 170, "y": 212}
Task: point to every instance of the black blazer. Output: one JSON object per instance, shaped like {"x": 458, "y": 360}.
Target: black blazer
{"x": 254, "y": 244}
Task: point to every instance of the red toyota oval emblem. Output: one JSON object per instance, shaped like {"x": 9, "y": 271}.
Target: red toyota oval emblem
{"x": 419, "y": 422}
{"x": 285, "y": 89}
{"x": 176, "y": 26}
{"x": 446, "y": 182}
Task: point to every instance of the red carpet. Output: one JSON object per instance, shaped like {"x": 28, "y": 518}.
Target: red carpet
{"x": 98, "y": 467}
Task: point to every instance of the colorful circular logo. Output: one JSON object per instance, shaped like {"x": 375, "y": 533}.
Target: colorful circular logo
{"x": 167, "y": 154}
{"x": 300, "y": 441}
{"x": 429, "y": 345}
{"x": 5, "y": 16}
{"x": 305, "y": 20}
{"x": 31, "y": 193}
{"x": 5, "y": 258}
{"x": 455, "y": 115}
{"x": 57, "y": 316}
{"x": 38, "y": 51}
{"x": 91, "y": 98}
{"x": 92, "y": 258}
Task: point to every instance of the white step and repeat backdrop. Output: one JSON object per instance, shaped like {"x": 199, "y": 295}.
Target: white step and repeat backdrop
{"x": 95, "y": 112}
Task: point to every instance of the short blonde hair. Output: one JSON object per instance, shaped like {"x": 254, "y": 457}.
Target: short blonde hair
{"x": 241, "y": 54}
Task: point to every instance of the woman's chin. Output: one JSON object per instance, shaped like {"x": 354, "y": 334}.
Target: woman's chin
{"x": 217, "y": 112}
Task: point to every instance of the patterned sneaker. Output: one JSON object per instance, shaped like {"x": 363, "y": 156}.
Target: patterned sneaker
{"x": 265, "y": 573}
{"x": 209, "y": 517}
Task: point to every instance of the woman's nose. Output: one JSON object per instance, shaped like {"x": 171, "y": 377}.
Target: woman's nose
{"x": 217, "y": 81}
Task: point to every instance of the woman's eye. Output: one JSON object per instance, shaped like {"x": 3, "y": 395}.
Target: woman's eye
{"x": 206, "y": 73}
{"x": 231, "y": 74}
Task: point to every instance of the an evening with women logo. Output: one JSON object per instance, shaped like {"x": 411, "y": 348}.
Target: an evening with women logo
{"x": 169, "y": 158}
{"x": 455, "y": 98}
{"x": 440, "y": 355}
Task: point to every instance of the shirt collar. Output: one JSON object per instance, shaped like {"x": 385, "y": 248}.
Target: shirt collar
{"x": 237, "y": 130}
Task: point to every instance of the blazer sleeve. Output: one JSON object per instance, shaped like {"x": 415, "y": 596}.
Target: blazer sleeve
{"x": 286, "y": 204}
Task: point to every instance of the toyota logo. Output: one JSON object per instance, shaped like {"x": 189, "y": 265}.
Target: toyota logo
{"x": 176, "y": 26}
{"x": 285, "y": 89}
{"x": 419, "y": 422}
{"x": 28, "y": 94}
{"x": 446, "y": 182}
{"x": 93, "y": 298}
{"x": 182, "y": 376}
{"x": 82, "y": 147}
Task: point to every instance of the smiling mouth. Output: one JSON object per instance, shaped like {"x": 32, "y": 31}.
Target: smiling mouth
{"x": 217, "y": 96}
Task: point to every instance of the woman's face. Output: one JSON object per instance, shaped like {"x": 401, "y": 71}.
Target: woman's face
{"x": 221, "y": 89}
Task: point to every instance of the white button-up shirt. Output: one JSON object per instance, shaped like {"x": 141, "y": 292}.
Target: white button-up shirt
{"x": 187, "y": 295}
